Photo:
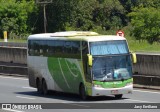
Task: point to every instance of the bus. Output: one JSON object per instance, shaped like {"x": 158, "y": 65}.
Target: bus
{"x": 80, "y": 62}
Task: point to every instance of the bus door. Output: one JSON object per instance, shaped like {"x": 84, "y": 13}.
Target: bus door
{"x": 86, "y": 68}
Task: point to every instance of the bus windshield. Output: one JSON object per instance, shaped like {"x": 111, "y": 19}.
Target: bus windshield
{"x": 111, "y": 61}
{"x": 110, "y": 68}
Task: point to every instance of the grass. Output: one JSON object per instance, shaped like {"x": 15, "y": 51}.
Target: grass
{"x": 136, "y": 45}
{"x": 142, "y": 46}
{"x": 14, "y": 40}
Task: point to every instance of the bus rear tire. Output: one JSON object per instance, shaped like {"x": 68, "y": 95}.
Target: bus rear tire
{"x": 118, "y": 96}
{"x": 39, "y": 87}
{"x": 82, "y": 92}
{"x": 44, "y": 87}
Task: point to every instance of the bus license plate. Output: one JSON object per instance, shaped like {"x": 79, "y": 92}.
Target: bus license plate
{"x": 114, "y": 92}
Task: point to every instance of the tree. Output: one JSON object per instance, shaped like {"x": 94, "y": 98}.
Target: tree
{"x": 82, "y": 14}
{"x": 93, "y": 14}
{"x": 146, "y": 23}
{"x": 14, "y": 15}
{"x": 146, "y": 3}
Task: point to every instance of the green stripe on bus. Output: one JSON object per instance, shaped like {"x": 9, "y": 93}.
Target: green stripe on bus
{"x": 114, "y": 84}
{"x": 66, "y": 73}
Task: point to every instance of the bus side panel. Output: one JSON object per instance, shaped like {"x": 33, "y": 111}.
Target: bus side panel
{"x": 44, "y": 71}
{"x": 38, "y": 68}
{"x": 31, "y": 77}
{"x": 67, "y": 73}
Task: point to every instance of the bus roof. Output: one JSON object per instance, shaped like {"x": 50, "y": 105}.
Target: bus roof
{"x": 75, "y": 35}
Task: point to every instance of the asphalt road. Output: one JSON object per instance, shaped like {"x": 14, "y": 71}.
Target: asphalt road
{"x": 17, "y": 90}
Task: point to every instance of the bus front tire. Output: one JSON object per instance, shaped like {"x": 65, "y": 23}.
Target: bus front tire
{"x": 82, "y": 92}
{"x": 118, "y": 96}
{"x": 44, "y": 88}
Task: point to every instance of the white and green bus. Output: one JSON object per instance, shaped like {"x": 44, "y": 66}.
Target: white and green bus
{"x": 80, "y": 62}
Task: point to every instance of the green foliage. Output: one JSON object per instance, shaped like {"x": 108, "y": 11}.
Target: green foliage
{"x": 147, "y": 3}
{"x": 14, "y": 15}
{"x": 93, "y": 14}
{"x": 140, "y": 18}
{"x": 146, "y": 24}
{"x": 83, "y": 15}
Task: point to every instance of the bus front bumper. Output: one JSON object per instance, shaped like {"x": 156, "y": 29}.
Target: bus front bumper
{"x": 99, "y": 91}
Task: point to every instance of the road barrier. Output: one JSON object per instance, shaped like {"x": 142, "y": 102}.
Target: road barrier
{"x": 13, "y": 70}
{"x": 147, "y": 64}
{"x": 13, "y": 55}
{"x": 13, "y": 44}
{"x": 146, "y": 70}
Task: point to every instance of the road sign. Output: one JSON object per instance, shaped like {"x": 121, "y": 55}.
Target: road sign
{"x": 120, "y": 33}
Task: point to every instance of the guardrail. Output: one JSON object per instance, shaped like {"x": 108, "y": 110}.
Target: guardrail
{"x": 13, "y": 54}
{"x": 147, "y": 70}
{"x": 13, "y": 44}
{"x": 147, "y": 64}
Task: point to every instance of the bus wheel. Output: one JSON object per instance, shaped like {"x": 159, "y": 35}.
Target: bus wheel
{"x": 39, "y": 87}
{"x": 82, "y": 92}
{"x": 44, "y": 87}
{"x": 118, "y": 96}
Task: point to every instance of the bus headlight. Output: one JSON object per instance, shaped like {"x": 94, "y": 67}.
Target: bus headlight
{"x": 128, "y": 84}
{"x": 97, "y": 86}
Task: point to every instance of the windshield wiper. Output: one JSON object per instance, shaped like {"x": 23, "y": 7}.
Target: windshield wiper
{"x": 95, "y": 80}
{"x": 105, "y": 80}
{"x": 122, "y": 79}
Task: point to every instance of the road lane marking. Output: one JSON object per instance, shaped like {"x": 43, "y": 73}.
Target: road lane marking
{"x": 12, "y": 77}
{"x": 25, "y": 97}
{"x": 76, "y": 104}
{"x": 140, "y": 101}
{"x": 29, "y": 88}
{"x": 12, "y": 110}
{"x": 146, "y": 91}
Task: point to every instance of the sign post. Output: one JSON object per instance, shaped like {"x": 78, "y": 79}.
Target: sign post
{"x": 44, "y": 3}
{"x": 5, "y": 36}
{"x": 120, "y": 33}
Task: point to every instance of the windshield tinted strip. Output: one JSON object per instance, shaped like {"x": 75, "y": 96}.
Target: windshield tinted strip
{"x": 109, "y": 47}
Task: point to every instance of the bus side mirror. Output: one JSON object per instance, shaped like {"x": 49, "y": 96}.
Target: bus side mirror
{"x": 134, "y": 58}
{"x": 90, "y": 58}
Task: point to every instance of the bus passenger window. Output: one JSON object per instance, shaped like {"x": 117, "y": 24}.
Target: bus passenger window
{"x": 67, "y": 47}
{"x": 36, "y": 48}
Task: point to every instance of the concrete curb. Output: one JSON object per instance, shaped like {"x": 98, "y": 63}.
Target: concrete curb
{"x": 14, "y": 75}
{"x": 147, "y": 81}
{"x": 14, "y": 70}
{"x": 146, "y": 87}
